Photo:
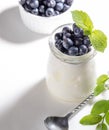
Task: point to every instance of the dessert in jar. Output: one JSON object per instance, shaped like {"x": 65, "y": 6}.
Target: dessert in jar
{"x": 71, "y": 73}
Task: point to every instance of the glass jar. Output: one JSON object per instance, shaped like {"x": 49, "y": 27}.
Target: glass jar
{"x": 70, "y": 78}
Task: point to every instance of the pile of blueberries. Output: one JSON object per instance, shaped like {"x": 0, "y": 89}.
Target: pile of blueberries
{"x": 46, "y": 8}
{"x": 72, "y": 42}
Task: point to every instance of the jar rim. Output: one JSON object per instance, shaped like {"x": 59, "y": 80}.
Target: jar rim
{"x": 67, "y": 58}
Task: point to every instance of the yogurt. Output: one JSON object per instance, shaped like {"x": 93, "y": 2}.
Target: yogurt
{"x": 70, "y": 78}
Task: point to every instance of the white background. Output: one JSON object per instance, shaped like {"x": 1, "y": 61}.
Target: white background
{"x": 23, "y": 61}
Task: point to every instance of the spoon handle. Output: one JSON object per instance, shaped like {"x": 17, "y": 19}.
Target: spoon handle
{"x": 80, "y": 106}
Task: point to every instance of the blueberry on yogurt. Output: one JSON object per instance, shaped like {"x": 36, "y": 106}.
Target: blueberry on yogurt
{"x": 46, "y": 8}
{"x": 73, "y": 40}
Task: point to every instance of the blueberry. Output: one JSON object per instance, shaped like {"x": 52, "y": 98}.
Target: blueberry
{"x": 78, "y": 41}
{"x": 60, "y": 1}
{"x": 28, "y": 2}
{"x": 86, "y": 41}
{"x": 50, "y": 12}
{"x": 59, "y": 45}
{"x": 35, "y": 11}
{"x": 34, "y": 4}
{"x": 66, "y": 7}
{"x": 78, "y": 32}
{"x": 58, "y": 36}
{"x": 42, "y": 9}
{"x": 65, "y": 30}
{"x": 22, "y": 2}
{"x": 67, "y": 35}
{"x": 51, "y": 3}
{"x": 73, "y": 51}
{"x": 69, "y": 41}
{"x": 83, "y": 50}
{"x": 59, "y": 6}
{"x": 66, "y": 45}
{"x": 69, "y": 2}
{"x": 57, "y": 12}
{"x": 45, "y": 2}
{"x": 27, "y": 8}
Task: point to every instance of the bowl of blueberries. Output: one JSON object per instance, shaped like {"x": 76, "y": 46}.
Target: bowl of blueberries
{"x": 43, "y": 16}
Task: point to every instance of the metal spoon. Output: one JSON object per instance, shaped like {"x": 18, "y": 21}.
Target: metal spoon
{"x": 61, "y": 123}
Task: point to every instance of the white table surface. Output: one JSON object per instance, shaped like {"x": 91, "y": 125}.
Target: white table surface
{"x": 24, "y": 98}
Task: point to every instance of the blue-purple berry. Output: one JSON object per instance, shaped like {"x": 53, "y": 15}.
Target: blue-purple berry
{"x": 60, "y": 1}
{"x": 86, "y": 41}
{"x": 50, "y": 12}
{"x": 78, "y": 41}
{"x": 51, "y": 3}
{"x": 28, "y": 2}
{"x": 22, "y": 2}
{"x": 66, "y": 45}
{"x": 66, "y": 30}
{"x": 58, "y": 36}
{"x": 42, "y": 9}
{"x": 69, "y": 41}
{"x": 78, "y": 32}
{"x": 35, "y": 11}
{"x": 34, "y": 4}
{"x": 45, "y": 2}
{"x": 59, "y": 6}
{"x": 59, "y": 45}
{"x": 73, "y": 51}
{"x": 27, "y": 8}
{"x": 69, "y": 2}
{"x": 83, "y": 50}
{"x": 67, "y": 35}
{"x": 66, "y": 7}
{"x": 57, "y": 12}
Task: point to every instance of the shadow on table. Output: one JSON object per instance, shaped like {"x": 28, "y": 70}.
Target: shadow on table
{"x": 13, "y": 30}
{"x": 30, "y": 111}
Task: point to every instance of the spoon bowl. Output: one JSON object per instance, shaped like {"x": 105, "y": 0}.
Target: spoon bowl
{"x": 56, "y": 123}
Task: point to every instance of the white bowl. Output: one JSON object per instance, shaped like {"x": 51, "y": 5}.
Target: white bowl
{"x": 44, "y": 25}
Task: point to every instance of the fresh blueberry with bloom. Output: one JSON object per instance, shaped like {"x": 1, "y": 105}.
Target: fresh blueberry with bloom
{"x": 73, "y": 51}
{"x": 34, "y": 4}
{"x": 50, "y": 12}
{"x": 42, "y": 9}
{"x": 59, "y": 6}
{"x": 51, "y": 3}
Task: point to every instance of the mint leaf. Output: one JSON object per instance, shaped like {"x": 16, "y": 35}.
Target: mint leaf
{"x": 107, "y": 118}
{"x": 83, "y": 21}
{"x": 101, "y": 127}
{"x": 102, "y": 79}
{"x": 100, "y": 84}
{"x": 99, "y": 89}
{"x": 98, "y": 40}
{"x": 90, "y": 119}
{"x": 100, "y": 107}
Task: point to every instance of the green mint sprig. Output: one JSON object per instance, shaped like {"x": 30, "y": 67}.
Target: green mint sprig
{"x": 99, "y": 114}
{"x": 98, "y": 38}
{"x": 101, "y": 84}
